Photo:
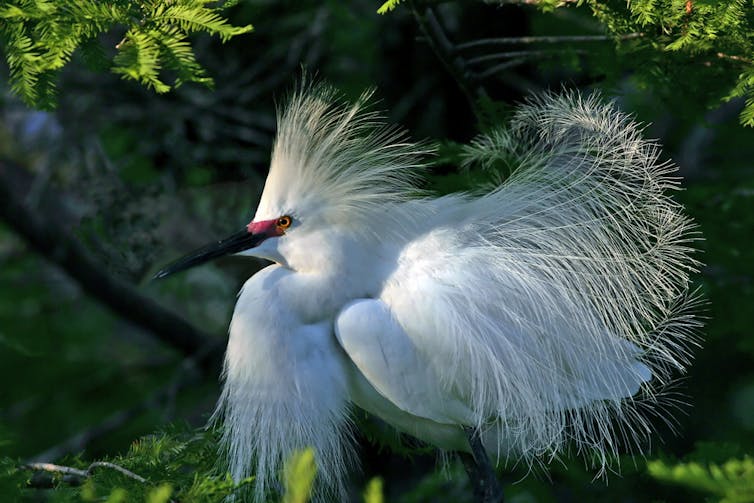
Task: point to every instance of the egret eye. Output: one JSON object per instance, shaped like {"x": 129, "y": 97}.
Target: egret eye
{"x": 284, "y": 222}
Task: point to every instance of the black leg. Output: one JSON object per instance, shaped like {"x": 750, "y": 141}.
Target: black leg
{"x": 486, "y": 486}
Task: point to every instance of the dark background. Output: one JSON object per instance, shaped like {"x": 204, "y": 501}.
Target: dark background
{"x": 136, "y": 179}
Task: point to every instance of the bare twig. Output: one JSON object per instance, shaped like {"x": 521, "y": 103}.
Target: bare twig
{"x": 528, "y": 2}
{"x": 733, "y": 57}
{"x": 54, "y": 241}
{"x": 519, "y": 54}
{"x": 113, "y": 466}
{"x": 485, "y": 42}
{"x": 78, "y": 442}
{"x": 503, "y": 66}
{"x": 426, "y": 3}
{"x": 447, "y": 54}
{"x": 81, "y": 474}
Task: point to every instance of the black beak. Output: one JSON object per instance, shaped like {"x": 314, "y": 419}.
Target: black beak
{"x": 235, "y": 243}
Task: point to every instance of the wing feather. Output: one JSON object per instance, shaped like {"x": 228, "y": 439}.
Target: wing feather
{"x": 388, "y": 358}
{"x": 548, "y": 304}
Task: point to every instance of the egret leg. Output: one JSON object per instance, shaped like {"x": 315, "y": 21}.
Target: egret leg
{"x": 487, "y": 489}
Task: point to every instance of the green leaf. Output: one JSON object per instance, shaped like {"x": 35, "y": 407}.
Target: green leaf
{"x": 388, "y": 6}
{"x": 118, "y": 495}
{"x": 192, "y": 18}
{"x": 160, "y": 494}
{"x": 373, "y": 491}
{"x": 139, "y": 60}
{"x": 299, "y": 473}
{"x": 732, "y": 481}
{"x": 39, "y": 38}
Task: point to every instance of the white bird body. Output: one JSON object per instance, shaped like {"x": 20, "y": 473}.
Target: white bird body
{"x": 283, "y": 345}
{"x": 542, "y": 313}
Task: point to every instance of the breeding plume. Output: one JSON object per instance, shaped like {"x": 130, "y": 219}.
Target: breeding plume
{"x": 544, "y": 314}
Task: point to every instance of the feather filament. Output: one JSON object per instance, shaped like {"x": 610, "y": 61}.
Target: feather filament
{"x": 556, "y": 306}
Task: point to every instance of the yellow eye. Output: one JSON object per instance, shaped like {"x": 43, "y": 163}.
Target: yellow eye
{"x": 284, "y": 222}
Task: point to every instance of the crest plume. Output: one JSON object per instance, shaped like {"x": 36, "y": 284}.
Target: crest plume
{"x": 338, "y": 158}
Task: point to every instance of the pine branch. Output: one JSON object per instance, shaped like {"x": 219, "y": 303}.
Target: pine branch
{"x": 388, "y": 6}
{"x": 139, "y": 59}
{"x": 39, "y": 38}
{"x": 193, "y": 18}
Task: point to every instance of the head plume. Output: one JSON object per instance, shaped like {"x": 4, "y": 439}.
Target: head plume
{"x": 337, "y": 160}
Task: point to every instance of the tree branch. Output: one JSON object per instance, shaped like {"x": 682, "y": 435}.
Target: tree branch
{"x": 503, "y": 66}
{"x": 49, "y": 236}
{"x": 186, "y": 373}
{"x": 527, "y": 2}
{"x": 447, "y": 54}
{"x": 76, "y": 475}
{"x": 486, "y": 42}
{"x": 520, "y": 54}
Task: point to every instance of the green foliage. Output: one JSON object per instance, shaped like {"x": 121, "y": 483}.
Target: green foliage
{"x": 688, "y": 48}
{"x": 299, "y": 471}
{"x": 11, "y": 479}
{"x": 373, "y": 491}
{"x": 39, "y": 37}
{"x": 388, "y": 6}
{"x": 442, "y": 486}
{"x": 178, "y": 465}
{"x": 698, "y": 50}
{"x": 385, "y": 437}
{"x": 160, "y": 494}
{"x": 731, "y": 481}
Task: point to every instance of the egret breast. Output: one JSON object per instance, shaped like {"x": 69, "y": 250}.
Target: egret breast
{"x": 285, "y": 386}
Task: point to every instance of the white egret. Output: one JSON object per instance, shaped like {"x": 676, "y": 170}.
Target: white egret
{"x": 547, "y": 312}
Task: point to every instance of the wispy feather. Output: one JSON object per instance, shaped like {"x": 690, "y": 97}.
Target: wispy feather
{"x": 338, "y": 159}
{"x": 585, "y": 264}
{"x": 552, "y": 311}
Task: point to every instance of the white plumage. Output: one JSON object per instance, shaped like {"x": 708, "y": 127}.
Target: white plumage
{"x": 547, "y": 312}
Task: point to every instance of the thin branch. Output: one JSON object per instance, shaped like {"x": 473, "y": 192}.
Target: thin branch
{"x": 519, "y": 54}
{"x": 503, "y": 66}
{"x": 427, "y": 3}
{"x": 485, "y": 42}
{"x": 81, "y": 474}
{"x": 733, "y": 57}
{"x": 502, "y": 55}
{"x": 113, "y": 466}
{"x": 182, "y": 378}
{"x": 49, "y": 237}
{"x": 527, "y": 2}
{"x": 447, "y": 54}
{"x": 52, "y": 468}
{"x": 79, "y": 441}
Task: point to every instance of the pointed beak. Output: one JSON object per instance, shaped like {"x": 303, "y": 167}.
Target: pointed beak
{"x": 250, "y": 237}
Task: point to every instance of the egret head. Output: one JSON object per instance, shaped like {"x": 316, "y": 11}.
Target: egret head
{"x": 335, "y": 168}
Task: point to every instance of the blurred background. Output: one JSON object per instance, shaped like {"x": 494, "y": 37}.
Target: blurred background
{"x": 93, "y": 355}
